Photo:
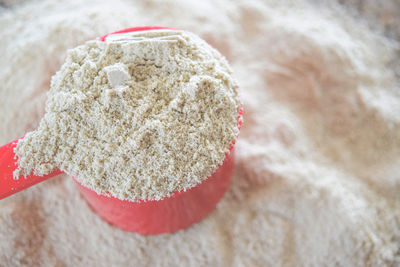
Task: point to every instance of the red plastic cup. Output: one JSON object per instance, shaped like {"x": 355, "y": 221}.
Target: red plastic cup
{"x": 179, "y": 211}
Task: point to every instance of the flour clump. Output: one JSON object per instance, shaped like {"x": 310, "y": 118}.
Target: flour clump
{"x": 138, "y": 116}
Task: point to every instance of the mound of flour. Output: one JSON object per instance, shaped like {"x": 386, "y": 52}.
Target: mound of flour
{"x": 139, "y": 116}
{"x": 317, "y": 177}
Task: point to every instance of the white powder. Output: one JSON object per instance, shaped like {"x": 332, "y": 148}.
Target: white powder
{"x": 139, "y": 116}
{"x": 317, "y": 177}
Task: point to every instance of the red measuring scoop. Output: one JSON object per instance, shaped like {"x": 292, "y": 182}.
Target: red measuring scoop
{"x": 168, "y": 215}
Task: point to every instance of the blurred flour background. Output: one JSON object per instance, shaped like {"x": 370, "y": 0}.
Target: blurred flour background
{"x": 317, "y": 178}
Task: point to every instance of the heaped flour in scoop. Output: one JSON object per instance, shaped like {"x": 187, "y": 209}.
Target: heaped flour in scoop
{"x": 139, "y": 116}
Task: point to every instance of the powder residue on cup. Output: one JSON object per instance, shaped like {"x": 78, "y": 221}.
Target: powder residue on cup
{"x": 139, "y": 116}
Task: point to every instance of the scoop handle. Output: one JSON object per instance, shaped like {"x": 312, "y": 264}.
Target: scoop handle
{"x": 8, "y": 185}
